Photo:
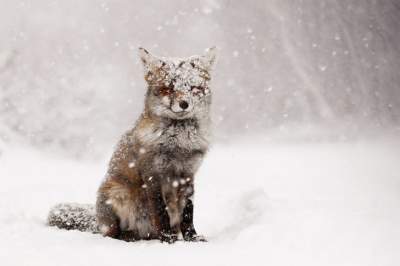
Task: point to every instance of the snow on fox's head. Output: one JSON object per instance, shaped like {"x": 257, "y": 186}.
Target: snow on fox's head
{"x": 178, "y": 88}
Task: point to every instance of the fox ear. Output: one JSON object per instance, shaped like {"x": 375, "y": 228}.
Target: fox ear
{"x": 210, "y": 57}
{"x": 149, "y": 60}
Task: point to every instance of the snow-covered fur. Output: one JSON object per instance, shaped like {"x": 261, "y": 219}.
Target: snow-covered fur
{"x": 148, "y": 189}
{"x": 74, "y": 216}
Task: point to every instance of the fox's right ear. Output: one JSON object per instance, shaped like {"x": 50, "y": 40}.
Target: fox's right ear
{"x": 149, "y": 61}
{"x": 145, "y": 56}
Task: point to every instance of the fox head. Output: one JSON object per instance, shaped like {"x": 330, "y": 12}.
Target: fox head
{"x": 178, "y": 88}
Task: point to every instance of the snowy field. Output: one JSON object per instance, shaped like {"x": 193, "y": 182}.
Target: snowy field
{"x": 271, "y": 204}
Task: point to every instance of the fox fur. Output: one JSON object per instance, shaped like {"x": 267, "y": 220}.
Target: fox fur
{"x": 149, "y": 185}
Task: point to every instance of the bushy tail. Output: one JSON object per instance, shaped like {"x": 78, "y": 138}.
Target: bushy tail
{"x": 73, "y": 216}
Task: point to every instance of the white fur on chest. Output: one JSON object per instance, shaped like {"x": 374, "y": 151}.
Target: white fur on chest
{"x": 186, "y": 137}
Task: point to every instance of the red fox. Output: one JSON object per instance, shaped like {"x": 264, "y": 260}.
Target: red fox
{"x": 148, "y": 189}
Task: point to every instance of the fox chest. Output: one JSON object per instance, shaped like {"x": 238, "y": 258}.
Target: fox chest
{"x": 177, "y": 149}
{"x": 178, "y": 136}
{"x": 185, "y": 138}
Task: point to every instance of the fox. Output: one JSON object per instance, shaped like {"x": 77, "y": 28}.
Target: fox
{"x": 148, "y": 189}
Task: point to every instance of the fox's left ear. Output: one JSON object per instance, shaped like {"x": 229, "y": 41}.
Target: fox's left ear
{"x": 209, "y": 57}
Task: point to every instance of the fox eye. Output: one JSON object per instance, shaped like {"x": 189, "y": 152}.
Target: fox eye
{"x": 199, "y": 88}
{"x": 164, "y": 90}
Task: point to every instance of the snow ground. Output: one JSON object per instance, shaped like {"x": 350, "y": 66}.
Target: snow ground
{"x": 271, "y": 204}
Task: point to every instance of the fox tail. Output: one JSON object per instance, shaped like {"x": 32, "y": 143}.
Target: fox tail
{"x": 73, "y": 216}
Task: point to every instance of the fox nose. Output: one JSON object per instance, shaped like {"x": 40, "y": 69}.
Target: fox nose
{"x": 183, "y": 104}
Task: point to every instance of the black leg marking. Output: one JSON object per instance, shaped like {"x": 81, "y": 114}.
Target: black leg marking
{"x": 187, "y": 227}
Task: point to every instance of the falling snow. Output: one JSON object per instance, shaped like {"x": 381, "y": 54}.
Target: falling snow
{"x": 306, "y": 110}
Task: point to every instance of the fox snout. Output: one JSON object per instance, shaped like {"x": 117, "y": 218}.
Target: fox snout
{"x": 181, "y": 103}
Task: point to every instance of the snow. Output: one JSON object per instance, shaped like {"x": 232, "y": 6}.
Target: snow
{"x": 257, "y": 203}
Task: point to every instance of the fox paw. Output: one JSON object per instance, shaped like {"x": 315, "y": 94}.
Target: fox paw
{"x": 195, "y": 238}
{"x": 169, "y": 238}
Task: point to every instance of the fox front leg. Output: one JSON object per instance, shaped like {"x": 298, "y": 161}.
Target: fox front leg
{"x": 187, "y": 226}
{"x": 159, "y": 215}
{"x": 174, "y": 206}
